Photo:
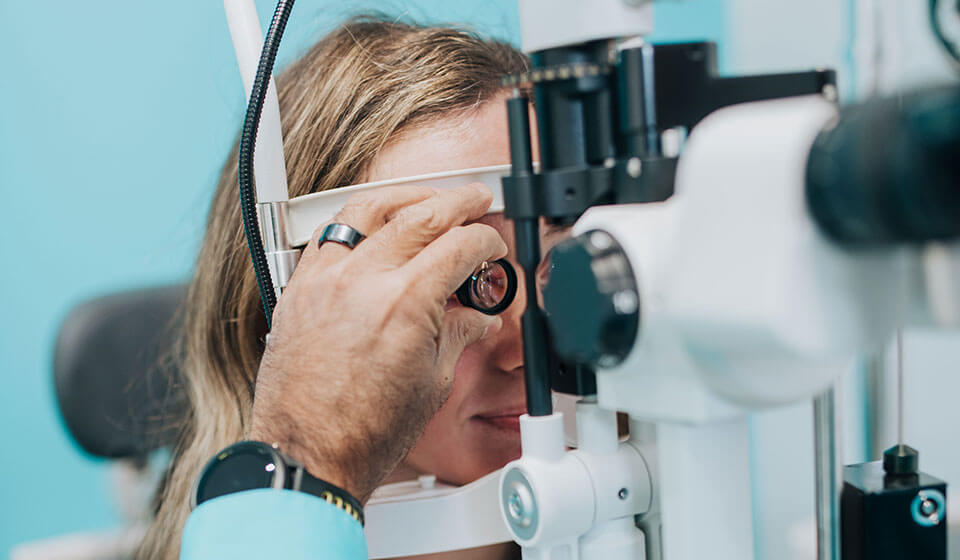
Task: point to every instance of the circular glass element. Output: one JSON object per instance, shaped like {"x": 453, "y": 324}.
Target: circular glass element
{"x": 491, "y": 288}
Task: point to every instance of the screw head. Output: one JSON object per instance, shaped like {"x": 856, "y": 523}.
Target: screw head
{"x": 830, "y": 92}
{"x": 601, "y": 240}
{"x": 516, "y": 506}
{"x": 520, "y": 506}
{"x": 927, "y": 507}
{"x": 608, "y": 361}
{"x": 625, "y": 302}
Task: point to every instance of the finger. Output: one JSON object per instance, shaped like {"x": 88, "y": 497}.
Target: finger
{"x": 443, "y": 265}
{"x": 461, "y": 327}
{"x": 366, "y": 212}
{"x": 417, "y": 225}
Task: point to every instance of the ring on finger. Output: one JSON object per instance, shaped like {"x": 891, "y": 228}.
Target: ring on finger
{"x": 343, "y": 234}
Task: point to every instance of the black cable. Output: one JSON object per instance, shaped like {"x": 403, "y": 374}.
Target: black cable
{"x": 946, "y": 43}
{"x": 248, "y": 141}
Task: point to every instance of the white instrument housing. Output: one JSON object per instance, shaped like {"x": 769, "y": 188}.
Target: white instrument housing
{"x": 555, "y": 23}
{"x": 744, "y": 303}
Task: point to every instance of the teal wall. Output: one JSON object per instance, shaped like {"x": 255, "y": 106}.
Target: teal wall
{"x": 115, "y": 117}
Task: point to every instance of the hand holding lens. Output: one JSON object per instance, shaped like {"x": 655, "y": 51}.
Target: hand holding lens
{"x": 491, "y": 288}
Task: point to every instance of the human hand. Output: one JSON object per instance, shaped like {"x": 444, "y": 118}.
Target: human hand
{"x": 362, "y": 350}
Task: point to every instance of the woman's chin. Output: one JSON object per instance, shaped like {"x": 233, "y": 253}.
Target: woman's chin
{"x": 496, "y": 440}
{"x": 481, "y": 446}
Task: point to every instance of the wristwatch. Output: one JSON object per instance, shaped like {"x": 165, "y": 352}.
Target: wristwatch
{"x": 248, "y": 465}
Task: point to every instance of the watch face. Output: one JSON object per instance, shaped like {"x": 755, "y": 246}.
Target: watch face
{"x": 244, "y": 466}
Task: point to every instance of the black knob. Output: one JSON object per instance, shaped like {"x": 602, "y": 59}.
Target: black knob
{"x": 591, "y": 300}
{"x": 901, "y": 460}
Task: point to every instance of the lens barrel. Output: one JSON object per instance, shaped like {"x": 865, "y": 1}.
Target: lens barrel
{"x": 888, "y": 171}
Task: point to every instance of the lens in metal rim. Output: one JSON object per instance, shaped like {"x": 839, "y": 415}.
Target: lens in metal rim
{"x": 475, "y": 291}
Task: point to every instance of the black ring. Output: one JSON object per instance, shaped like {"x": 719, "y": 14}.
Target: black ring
{"x": 463, "y": 292}
{"x": 341, "y": 233}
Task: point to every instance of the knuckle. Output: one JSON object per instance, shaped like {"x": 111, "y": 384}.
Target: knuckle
{"x": 464, "y": 331}
{"x": 429, "y": 218}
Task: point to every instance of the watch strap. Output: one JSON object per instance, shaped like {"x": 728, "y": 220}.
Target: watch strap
{"x": 293, "y": 476}
{"x": 331, "y": 493}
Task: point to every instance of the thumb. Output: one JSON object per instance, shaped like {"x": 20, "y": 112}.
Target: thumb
{"x": 460, "y": 328}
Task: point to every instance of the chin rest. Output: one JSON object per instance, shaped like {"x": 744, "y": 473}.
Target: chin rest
{"x": 119, "y": 394}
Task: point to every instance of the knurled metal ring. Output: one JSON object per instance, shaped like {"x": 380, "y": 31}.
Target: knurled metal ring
{"x": 555, "y": 73}
{"x": 342, "y": 234}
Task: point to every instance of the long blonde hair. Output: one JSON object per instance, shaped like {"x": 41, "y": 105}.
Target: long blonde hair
{"x": 341, "y": 103}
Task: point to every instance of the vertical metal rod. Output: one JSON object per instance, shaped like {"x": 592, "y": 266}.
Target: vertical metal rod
{"x": 650, "y": 100}
{"x": 876, "y": 388}
{"x": 899, "y": 387}
{"x": 827, "y": 476}
{"x": 536, "y": 344}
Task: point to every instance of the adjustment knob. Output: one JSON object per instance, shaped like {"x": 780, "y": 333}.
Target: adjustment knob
{"x": 591, "y": 300}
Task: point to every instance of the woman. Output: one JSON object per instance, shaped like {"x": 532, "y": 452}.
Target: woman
{"x": 372, "y": 100}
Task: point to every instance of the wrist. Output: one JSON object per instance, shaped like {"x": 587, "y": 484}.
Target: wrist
{"x": 252, "y": 465}
{"x": 319, "y": 464}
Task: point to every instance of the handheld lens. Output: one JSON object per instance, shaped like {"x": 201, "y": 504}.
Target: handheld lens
{"x": 491, "y": 288}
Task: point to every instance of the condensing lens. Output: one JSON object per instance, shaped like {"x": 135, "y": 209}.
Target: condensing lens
{"x": 491, "y": 288}
{"x": 489, "y": 284}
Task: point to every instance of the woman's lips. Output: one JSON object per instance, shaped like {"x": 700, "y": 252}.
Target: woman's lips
{"x": 510, "y": 422}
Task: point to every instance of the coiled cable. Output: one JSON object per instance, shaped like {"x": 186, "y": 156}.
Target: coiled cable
{"x": 248, "y": 141}
{"x": 949, "y": 46}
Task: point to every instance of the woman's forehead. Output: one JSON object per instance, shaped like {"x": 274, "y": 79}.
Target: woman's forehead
{"x": 463, "y": 140}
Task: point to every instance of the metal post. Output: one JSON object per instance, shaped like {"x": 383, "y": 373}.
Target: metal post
{"x": 827, "y": 476}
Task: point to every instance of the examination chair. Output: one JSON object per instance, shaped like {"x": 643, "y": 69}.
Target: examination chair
{"x": 120, "y": 398}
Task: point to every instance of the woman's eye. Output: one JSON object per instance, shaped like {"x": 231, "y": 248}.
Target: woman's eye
{"x": 543, "y": 270}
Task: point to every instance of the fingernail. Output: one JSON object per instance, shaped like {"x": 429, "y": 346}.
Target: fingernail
{"x": 480, "y": 187}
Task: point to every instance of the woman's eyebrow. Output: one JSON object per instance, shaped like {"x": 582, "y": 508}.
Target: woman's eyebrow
{"x": 551, "y": 229}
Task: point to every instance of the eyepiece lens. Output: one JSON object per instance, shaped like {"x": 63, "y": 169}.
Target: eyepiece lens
{"x": 489, "y": 285}
{"x": 491, "y": 288}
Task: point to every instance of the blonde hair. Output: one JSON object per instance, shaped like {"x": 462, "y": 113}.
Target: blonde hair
{"x": 341, "y": 103}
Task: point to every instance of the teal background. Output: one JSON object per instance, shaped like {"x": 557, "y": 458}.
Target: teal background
{"x": 115, "y": 118}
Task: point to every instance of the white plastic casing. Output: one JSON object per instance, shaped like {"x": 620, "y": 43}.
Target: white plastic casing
{"x": 555, "y": 23}
{"x": 941, "y": 268}
{"x": 561, "y": 516}
{"x": 420, "y": 517}
{"x": 308, "y": 212}
{"x": 744, "y": 303}
{"x": 269, "y": 168}
{"x": 585, "y": 500}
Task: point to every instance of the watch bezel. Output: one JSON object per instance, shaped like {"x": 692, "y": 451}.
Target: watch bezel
{"x": 280, "y": 475}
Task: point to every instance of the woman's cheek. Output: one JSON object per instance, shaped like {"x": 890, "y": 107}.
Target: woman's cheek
{"x": 468, "y": 366}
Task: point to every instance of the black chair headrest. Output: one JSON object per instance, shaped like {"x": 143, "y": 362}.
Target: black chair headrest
{"x": 116, "y": 398}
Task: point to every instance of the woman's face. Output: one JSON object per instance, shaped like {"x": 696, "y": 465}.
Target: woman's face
{"x": 477, "y": 430}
